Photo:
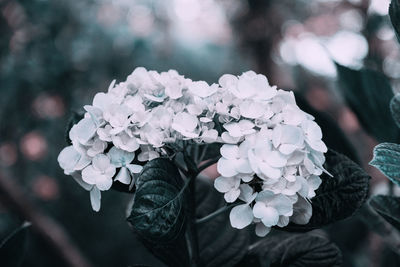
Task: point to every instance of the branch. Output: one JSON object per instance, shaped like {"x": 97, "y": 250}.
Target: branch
{"x": 215, "y": 214}
{"x": 47, "y": 228}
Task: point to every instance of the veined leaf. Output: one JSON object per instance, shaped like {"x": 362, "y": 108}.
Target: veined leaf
{"x": 293, "y": 250}
{"x": 158, "y": 212}
{"x": 339, "y": 196}
{"x": 387, "y": 160}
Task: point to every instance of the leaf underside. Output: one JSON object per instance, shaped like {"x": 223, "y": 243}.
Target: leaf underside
{"x": 387, "y": 160}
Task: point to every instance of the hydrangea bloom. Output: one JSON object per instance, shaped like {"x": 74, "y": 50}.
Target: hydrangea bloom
{"x": 272, "y": 152}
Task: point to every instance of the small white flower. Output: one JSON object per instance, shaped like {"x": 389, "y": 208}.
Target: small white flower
{"x": 100, "y": 173}
{"x": 229, "y": 186}
{"x": 71, "y": 160}
{"x": 185, "y": 124}
{"x": 125, "y": 142}
{"x": 242, "y": 215}
{"x": 202, "y": 89}
{"x": 122, "y": 159}
{"x": 269, "y": 207}
{"x": 83, "y": 131}
{"x": 97, "y": 147}
{"x": 313, "y": 136}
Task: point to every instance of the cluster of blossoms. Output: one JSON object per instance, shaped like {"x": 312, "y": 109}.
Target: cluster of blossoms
{"x": 272, "y": 152}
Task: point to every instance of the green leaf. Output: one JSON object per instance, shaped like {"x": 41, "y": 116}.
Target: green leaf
{"x": 220, "y": 244}
{"x": 394, "y": 14}
{"x": 395, "y": 109}
{"x": 158, "y": 212}
{"x": 293, "y": 250}
{"x": 339, "y": 196}
{"x": 387, "y": 160}
{"x": 388, "y": 207}
{"x": 368, "y": 93}
{"x": 13, "y": 247}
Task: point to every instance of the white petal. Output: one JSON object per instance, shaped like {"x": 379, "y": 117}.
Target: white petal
{"x": 318, "y": 145}
{"x": 101, "y": 162}
{"x": 123, "y": 176}
{"x": 78, "y": 178}
{"x": 95, "y": 198}
{"x": 120, "y": 157}
{"x": 210, "y": 136}
{"x": 241, "y": 216}
{"x": 232, "y": 195}
{"x": 226, "y": 167}
{"x": 314, "y": 182}
{"x": 68, "y": 158}
{"x": 302, "y": 212}
{"x": 233, "y": 129}
{"x": 243, "y": 166}
{"x": 247, "y": 193}
{"x": 230, "y": 151}
{"x": 283, "y": 221}
{"x": 262, "y": 230}
{"x": 134, "y": 168}
{"x": 276, "y": 159}
{"x": 227, "y": 138}
{"x": 270, "y": 216}
{"x": 251, "y": 109}
{"x": 85, "y": 130}
{"x": 292, "y": 135}
{"x": 282, "y": 204}
{"x": 103, "y": 182}
{"x": 269, "y": 171}
{"x": 287, "y": 149}
{"x": 89, "y": 174}
{"x": 224, "y": 184}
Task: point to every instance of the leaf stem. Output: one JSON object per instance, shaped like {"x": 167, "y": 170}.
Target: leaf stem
{"x": 215, "y": 214}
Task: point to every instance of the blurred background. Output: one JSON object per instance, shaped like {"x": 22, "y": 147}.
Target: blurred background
{"x": 55, "y": 55}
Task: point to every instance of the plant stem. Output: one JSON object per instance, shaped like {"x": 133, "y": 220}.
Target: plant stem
{"x": 215, "y": 214}
{"x": 193, "y": 171}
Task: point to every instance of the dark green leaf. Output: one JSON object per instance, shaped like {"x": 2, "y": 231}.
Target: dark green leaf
{"x": 395, "y": 109}
{"x": 13, "y": 247}
{"x": 339, "y": 196}
{"x": 388, "y": 207}
{"x": 394, "y": 14}
{"x": 158, "y": 213}
{"x": 387, "y": 160}
{"x": 368, "y": 93}
{"x": 220, "y": 244}
{"x": 293, "y": 250}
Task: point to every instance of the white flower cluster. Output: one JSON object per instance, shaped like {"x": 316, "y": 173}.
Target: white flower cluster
{"x": 271, "y": 158}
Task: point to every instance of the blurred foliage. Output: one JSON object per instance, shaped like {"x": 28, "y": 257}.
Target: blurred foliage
{"x": 54, "y": 55}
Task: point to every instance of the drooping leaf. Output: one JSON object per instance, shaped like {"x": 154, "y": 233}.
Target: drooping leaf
{"x": 387, "y": 160}
{"x": 395, "y": 109}
{"x": 13, "y": 247}
{"x": 394, "y": 14}
{"x": 339, "y": 196}
{"x": 333, "y": 136}
{"x": 220, "y": 244}
{"x": 293, "y": 250}
{"x": 158, "y": 212}
{"x": 368, "y": 93}
{"x": 388, "y": 207}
